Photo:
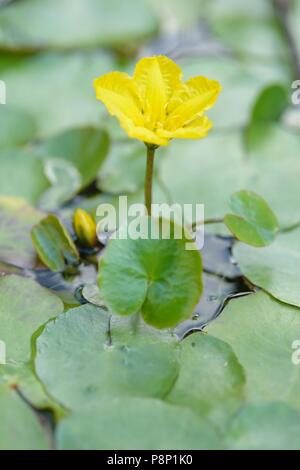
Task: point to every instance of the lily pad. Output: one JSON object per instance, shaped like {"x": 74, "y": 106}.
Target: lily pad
{"x": 261, "y": 332}
{"x": 82, "y": 358}
{"x": 80, "y": 23}
{"x": 85, "y": 148}
{"x": 24, "y": 307}
{"x": 59, "y": 88}
{"x": 271, "y": 426}
{"x": 20, "y": 428}
{"x": 242, "y": 82}
{"x": 270, "y": 104}
{"x": 65, "y": 180}
{"x": 159, "y": 277}
{"x": 275, "y": 268}
{"x": 21, "y": 175}
{"x": 217, "y": 395}
{"x": 135, "y": 423}
{"x": 251, "y": 35}
{"x": 114, "y": 177}
{"x": 16, "y": 221}
{"x": 54, "y": 245}
{"x": 253, "y": 222}
{"x": 17, "y": 126}
{"x": 32, "y": 390}
{"x": 214, "y": 168}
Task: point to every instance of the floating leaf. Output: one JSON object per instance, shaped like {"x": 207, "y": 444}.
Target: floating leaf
{"x": 24, "y": 307}
{"x": 81, "y": 358}
{"x": 21, "y": 175}
{"x": 253, "y": 221}
{"x": 65, "y": 180}
{"x": 275, "y": 268}
{"x": 261, "y": 332}
{"x": 85, "y": 148}
{"x": 16, "y": 127}
{"x": 135, "y": 423}
{"x": 114, "y": 177}
{"x": 54, "y": 245}
{"x": 270, "y": 104}
{"x": 40, "y": 24}
{"x": 20, "y": 428}
{"x": 211, "y": 380}
{"x": 159, "y": 277}
{"x": 270, "y": 426}
{"x": 16, "y": 221}
{"x": 59, "y": 92}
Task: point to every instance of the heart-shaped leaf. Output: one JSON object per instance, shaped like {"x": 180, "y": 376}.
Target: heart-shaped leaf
{"x": 253, "y": 221}
{"x": 159, "y": 276}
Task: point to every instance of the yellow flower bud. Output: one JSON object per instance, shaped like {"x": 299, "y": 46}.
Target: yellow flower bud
{"x": 85, "y": 228}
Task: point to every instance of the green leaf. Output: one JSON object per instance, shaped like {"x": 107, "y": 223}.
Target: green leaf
{"x": 159, "y": 277}
{"x": 242, "y": 81}
{"x": 40, "y": 24}
{"x": 261, "y": 332}
{"x": 217, "y": 395}
{"x": 20, "y": 428}
{"x": 24, "y": 378}
{"x": 53, "y": 244}
{"x": 219, "y": 165}
{"x": 16, "y": 221}
{"x": 82, "y": 357}
{"x": 85, "y": 148}
{"x": 251, "y": 35}
{"x": 270, "y": 104}
{"x": 276, "y": 268}
{"x": 135, "y": 423}
{"x": 253, "y": 221}
{"x": 16, "y": 127}
{"x": 62, "y": 87}
{"x": 21, "y": 175}
{"x": 24, "y": 307}
{"x": 270, "y": 426}
{"x": 65, "y": 180}
{"x": 114, "y": 177}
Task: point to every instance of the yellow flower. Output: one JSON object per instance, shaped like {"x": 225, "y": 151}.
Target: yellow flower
{"x": 155, "y": 105}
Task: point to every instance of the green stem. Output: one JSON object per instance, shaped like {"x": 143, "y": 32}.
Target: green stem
{"x": 213, "y": 220}
{"x": 149, "y": 177}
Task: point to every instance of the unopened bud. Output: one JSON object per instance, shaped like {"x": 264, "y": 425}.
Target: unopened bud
{"x": 85, "y": 228}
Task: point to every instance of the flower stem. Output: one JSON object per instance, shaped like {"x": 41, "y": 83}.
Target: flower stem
{"x": 149, "y": 177}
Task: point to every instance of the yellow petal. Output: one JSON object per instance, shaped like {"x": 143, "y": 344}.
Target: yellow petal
{"x": 195, "y": 130}
{"x": 191, "y": 100}
{"x": 142, "y": 133}
{"x": 156, "y": 79}
{"x": 119, "y": 94}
